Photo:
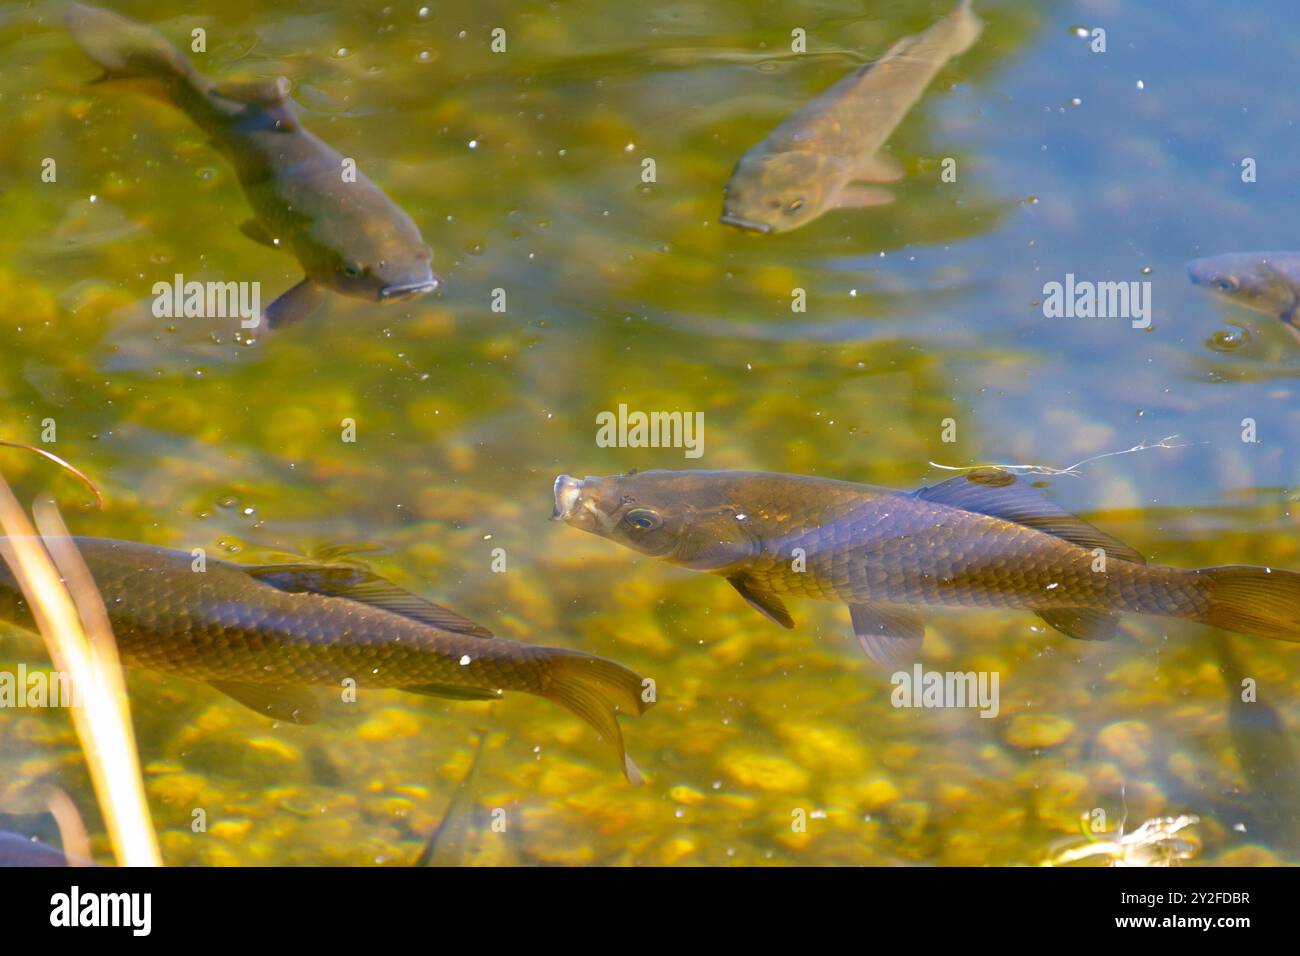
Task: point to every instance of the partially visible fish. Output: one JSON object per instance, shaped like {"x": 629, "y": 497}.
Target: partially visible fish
{"x": 1266, "y": 755}
{"x": 348, "y": 236}
{"x": 982, "y": 539}
{"x": 18, "y": 850}
{"x": 263, "y": 634}
{"x": 1267, "y": 282}
{"x": 816, "y": 159}
{"x": 446, "y": 844}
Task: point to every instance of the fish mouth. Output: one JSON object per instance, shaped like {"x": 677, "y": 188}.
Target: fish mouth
{"x": 742, "y": 223}
{"x": 579, "y": 510}
{"x": 567, "y": 492}
{"x": 408, "y": 289}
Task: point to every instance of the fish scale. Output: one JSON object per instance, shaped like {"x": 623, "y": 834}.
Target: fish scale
{"x": 258, "y": 631}
{"x": 986, "y": 539}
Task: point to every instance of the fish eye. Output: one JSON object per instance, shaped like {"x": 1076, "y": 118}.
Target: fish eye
{"x": 642, "y": 519}
{"x": 350, "y": 269}
{"x": 1227, "y": 284}
{"x": 794, "y": 205}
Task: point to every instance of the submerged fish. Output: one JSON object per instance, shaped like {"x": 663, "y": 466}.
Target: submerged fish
{"x": 983, "y": 539}
{"x": 1267, "y": 282}
{"x": 348, "y": 236}
{"x": 18, "y": 850}
{"x": 263, "y": 633}
{"x": 447, "y": 844}
{"x": 816, "y": 159}
{"x": 1266, "y": 755}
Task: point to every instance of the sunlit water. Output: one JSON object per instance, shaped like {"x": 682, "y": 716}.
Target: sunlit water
{"x": 524, "y": 171}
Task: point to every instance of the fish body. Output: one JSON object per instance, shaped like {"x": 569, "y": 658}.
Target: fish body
{"x": 812, "y": 162}
{"x": 347, "y": 234}
{"x": 18, "y": 850}
{"x": 262, "y": 634}
{"x": 1266, "y": 755}
{"x": 1267, "y": 282}
{"x": 983, "y": 539}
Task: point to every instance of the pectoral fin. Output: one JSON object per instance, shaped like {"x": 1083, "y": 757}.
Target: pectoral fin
{"x": 257, "y": 232}
{"x": 765, "y": 602}
{"x": 854, "y": 196}
{"x": 879, "y": 168}
{"x": 295, "y": 705}
{"x": 890, "y": 635}
{"x": 1082, "y": 623}
{"x": 454, "y": 692}
{"x": 298, "y": 303}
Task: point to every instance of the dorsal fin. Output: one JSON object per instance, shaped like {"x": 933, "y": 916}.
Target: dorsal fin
{"x": 358, "y": 584}
{"x": 1000, "y": 494}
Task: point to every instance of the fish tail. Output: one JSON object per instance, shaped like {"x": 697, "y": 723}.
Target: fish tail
{"x": 1260, "y": 601}
{"x": 597, "y": 690}
{"x": 128, "y": 51}
{"x": 969, "y": 26}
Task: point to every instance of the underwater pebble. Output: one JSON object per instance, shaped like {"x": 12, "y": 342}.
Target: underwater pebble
{"x": 1128, "y": 742}
{"x": 1039, "y": 731}
{"x": 387, "y": 724}
{"x": 685, "y": 795}
{"x": 765, "y": 771}
{"x": 879, "y": 793}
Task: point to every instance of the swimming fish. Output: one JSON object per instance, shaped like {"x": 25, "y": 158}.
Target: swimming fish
{"x": 983, "y": 539}
{"x": 818, "y": 158}
{"x": 1266, "y": 755}
{"x": 447, "y": 844}
{"x": 348, "y": 236}
{"x": 263, "y": 634}
{"x": 18, "y": 850}
{"x": 1267, "y": 282}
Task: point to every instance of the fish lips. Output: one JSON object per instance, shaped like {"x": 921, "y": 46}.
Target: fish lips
{"x": 407, "y": 290}
{"x": 577, "y": 510}
{"x": 567, "y": 492}
{"x": 742, "y": 223}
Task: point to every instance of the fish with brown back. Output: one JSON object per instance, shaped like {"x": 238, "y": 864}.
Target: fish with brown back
{"x": 820, "y": 157}
{"x": 983, "y": 539}
{"x": 349, "y": 237}
{"x": 264, "y": 634}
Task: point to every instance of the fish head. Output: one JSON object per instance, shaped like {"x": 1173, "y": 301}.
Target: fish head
{"x": 777, "y": 192}
{"x": 677, "y": 516}
{"x": 1252, "y": 280}
{"x": 390, "y": 271}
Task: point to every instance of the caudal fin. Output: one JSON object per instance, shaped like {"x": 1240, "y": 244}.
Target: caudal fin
{"x": 1260, "y": 601}
{"x": 127, "y": 50}
{"x": 598, "y": 690}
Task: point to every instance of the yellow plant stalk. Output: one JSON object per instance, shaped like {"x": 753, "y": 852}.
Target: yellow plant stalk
{"x": 74, "y": 625}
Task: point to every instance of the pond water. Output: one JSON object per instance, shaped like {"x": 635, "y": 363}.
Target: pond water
{"x": 573, "y": 286}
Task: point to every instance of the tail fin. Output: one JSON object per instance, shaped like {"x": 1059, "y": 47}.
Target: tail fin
{"x": 968, "y": 27}
{"x": 126, "y": 50}
{"x": 1260, "y": 601}
{"x": 597, "y": 690}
